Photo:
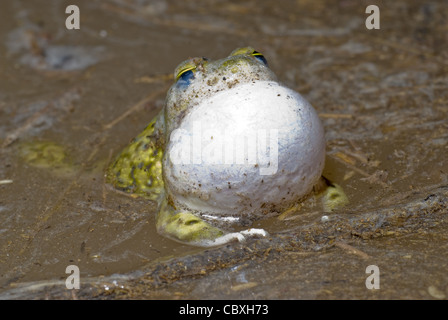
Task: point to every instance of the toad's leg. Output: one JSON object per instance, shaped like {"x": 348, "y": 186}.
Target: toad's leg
{"x": 138, "y": 168}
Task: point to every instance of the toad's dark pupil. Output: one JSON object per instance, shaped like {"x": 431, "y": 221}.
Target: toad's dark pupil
{"x": 186, "y": 77}
{"x": 260, "y": 57}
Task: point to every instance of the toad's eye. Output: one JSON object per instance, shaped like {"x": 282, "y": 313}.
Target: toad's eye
{"x": 260, "y": 57}
{"x": 186, "y": 75}
{"x": 250, "y": 52}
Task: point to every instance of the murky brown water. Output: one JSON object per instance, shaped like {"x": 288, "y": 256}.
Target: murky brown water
{"x": 382, "y": 97}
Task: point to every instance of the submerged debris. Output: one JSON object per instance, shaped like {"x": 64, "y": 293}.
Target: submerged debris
{"x": 34, "y": 48}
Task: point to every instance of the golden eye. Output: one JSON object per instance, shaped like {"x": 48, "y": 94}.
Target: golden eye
{"x": 186, "y": 70}
{"x": 185, "y": 73}
{"x": 260, "y": 57}
{"x": 250, "y": 51}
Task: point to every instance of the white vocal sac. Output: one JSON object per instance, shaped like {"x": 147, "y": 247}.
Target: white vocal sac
{"x": 250, "y": 150}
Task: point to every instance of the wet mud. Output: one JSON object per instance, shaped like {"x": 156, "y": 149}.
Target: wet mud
{"x": 79, "y": 96}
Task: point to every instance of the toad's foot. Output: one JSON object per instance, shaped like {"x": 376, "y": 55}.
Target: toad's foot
{"x": 188, "y": 228}
{"x": 229, "y": 237}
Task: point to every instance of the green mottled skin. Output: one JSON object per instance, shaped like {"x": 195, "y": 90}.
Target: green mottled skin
{"x": 138, "y": 169}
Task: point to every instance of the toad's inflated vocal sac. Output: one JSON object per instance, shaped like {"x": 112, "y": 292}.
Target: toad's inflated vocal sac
{"x": 231, "y": 145}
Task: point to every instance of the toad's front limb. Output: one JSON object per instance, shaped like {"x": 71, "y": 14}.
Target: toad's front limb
{"x": 188, "y": 228}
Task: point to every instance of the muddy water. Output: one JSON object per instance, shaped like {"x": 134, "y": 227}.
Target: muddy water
{"x": 381, "y": 95}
